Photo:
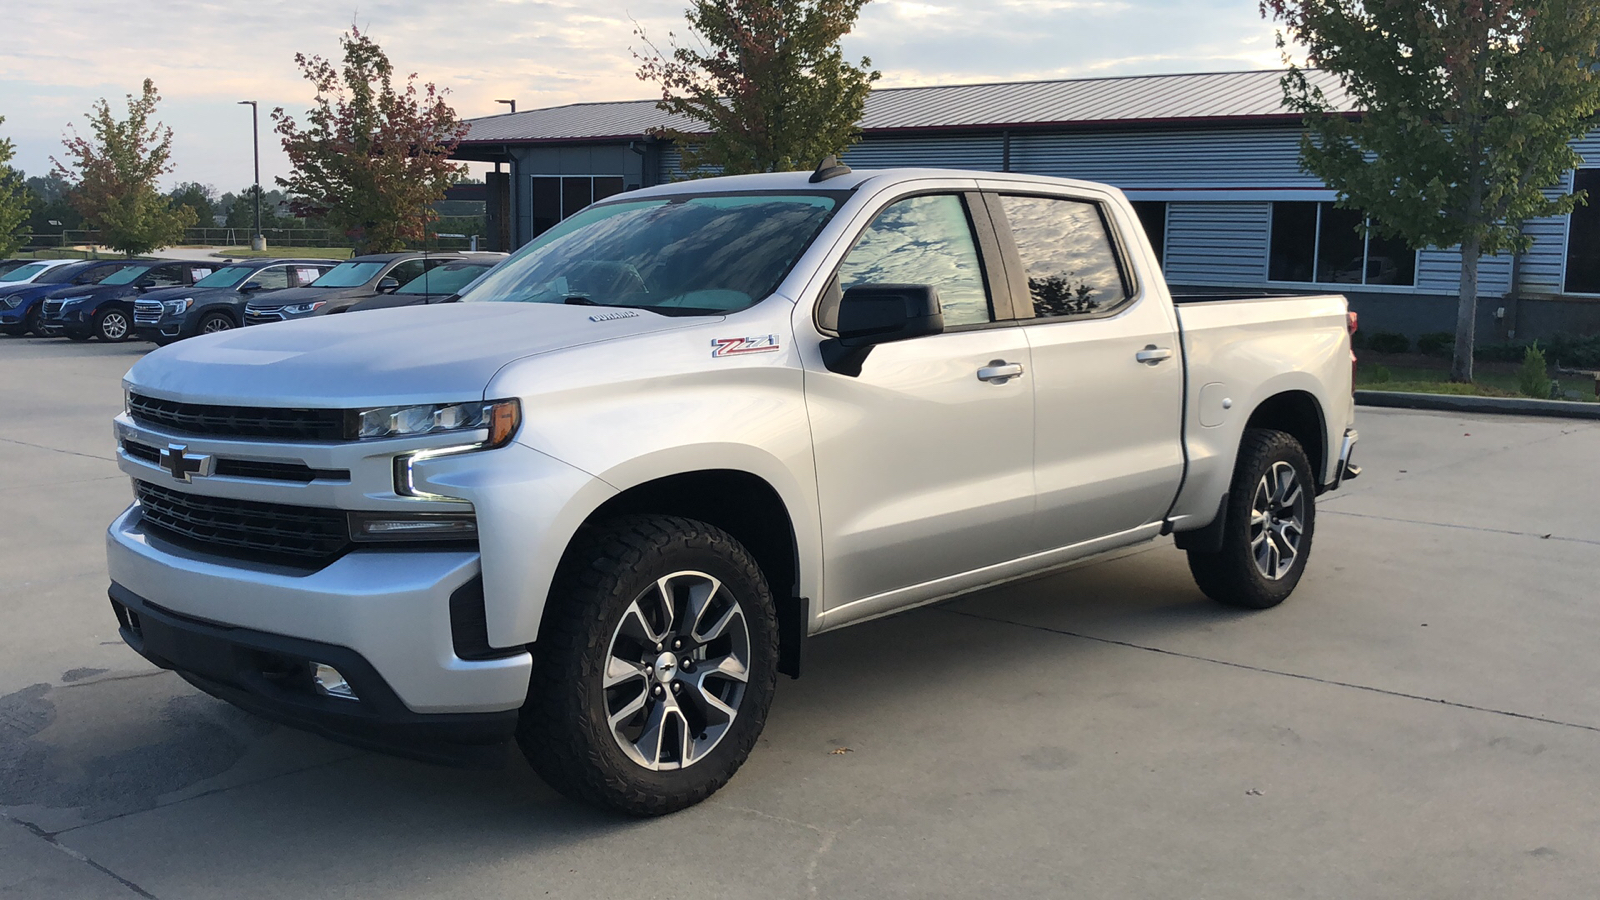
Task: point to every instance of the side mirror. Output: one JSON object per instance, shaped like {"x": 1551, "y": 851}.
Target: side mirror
{"x": 388, "y": 285}
{"x": 873, "y": 314}
{"x": 250, "y": 287}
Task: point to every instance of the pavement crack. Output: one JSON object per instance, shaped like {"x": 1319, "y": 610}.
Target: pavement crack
{"x": 1266, "y": 671}
{"x": 1545, "y": 537}
{"x": 50, "y": 839}
{"x": 57, "y": 450}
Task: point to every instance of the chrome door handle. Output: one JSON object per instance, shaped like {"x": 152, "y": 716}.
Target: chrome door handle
{"x": 998, "y": 371}
{"x": 1153, "y": 354}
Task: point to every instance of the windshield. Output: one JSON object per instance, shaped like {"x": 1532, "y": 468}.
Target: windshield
{"x": 349, "y": 274}
{"x": 228, "y": 276}
{"x": 443, "y": 279}
{"x": 125, "y": 275}
{"x": 702, "y": 254}
{"x": 23, "y": 273}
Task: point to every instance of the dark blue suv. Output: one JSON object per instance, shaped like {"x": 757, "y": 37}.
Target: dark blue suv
{"x": 105, "y": 310}
{"x": 217, "y": 302}
{"x": 22, "y": 305}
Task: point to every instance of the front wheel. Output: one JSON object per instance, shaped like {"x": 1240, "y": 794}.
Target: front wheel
{"x": 215, "y": 322}
{"x": 655, "y": 665}
{"x": 112, "y": 325}
{"x": 1271, "y": 514}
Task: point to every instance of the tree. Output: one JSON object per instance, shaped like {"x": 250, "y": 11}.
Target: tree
{"x": 48, "y": 199}
{"x": 202, "y": 198}
{"x": 14, "y": 206}
{"x": 113, "y": 177}
{"x": 767, "y": 80}
{"x": 372, "y": 158}
{"x": 1467, "y": 108}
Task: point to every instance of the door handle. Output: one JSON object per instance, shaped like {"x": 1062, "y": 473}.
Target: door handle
{"x": 1153, "y": 354}
{"x": 998, "y": 371}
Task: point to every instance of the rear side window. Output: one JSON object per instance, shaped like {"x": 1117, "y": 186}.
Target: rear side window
{"x": 923, "y": 240}
{"x": 1068, "y": 256}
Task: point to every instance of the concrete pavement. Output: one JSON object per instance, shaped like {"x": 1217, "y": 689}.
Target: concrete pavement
{"x": 1419, "y": 720}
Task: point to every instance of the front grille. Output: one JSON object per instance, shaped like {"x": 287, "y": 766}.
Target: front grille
{"x": 248, "y": 468}
{"x": 240, "y": 421}
{"x": 256, "y": 315}
{"x": 146, "y": 312}
{"x": 52, "y": 308}
{"x": 246, "y": 529}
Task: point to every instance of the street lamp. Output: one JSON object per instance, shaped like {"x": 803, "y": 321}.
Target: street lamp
{"x": 259, "y": 242}
{"x": 510, "y": 103}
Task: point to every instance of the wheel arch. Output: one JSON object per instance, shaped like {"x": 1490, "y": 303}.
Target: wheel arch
{"x": 1298, "y": 414}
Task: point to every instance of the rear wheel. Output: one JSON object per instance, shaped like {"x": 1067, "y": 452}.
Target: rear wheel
{"x": 1271, "y": 515}
{"x": 655, "y": 666}
{"x": 215, "y": 322}
{"x": 112, "y": 325}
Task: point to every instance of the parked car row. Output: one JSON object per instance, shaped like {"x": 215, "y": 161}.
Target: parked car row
{"x": 168, "y": 300}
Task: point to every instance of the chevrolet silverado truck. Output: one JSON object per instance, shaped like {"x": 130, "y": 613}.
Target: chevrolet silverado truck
{"x": 601, "y": 504}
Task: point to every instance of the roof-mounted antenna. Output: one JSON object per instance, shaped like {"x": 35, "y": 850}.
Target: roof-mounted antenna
{"x": 830, "y": 167}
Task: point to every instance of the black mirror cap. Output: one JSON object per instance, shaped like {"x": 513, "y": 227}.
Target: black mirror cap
{"x": 249, "y": 287}
{"x": 873, "y": 314}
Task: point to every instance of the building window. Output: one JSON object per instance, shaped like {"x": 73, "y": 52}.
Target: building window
{"x": 1320, "y": 243}
{"x": 1153, "y": 216}
{"x": 557, "y": 196}
{"x": 1583, "y": 237}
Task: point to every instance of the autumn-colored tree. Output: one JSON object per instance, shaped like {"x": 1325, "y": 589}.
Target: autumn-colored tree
{"x": 371, "y": 158}
{"x": 113, "y": 176}
{"x": 14, "y": 205}
{"x": 1467, "y": 108}
{"x": 768, "y": 81}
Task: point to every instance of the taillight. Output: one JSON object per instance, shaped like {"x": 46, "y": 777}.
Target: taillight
{"x": 1353, "y": 325}
{"x": 1352, "y": 322}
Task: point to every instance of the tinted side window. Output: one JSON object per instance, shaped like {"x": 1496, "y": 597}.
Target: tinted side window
{"x": 272, "y": 278}
{"x": 1070, "y": 262}
{"x": 923, "y": 240}
{"x": 407, "y": 270}
{"x": 164, "y": 276}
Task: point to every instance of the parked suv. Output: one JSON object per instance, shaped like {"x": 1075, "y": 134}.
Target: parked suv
{"x": 105, "y": 310}
{"x": 217, "y": 302}
{"x": 22, "y": 304}
{"x": 346, "y": 284}
{"x": 438, "y": 285}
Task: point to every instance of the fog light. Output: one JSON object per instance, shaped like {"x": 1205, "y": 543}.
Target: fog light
{"x": 330, "y": 683}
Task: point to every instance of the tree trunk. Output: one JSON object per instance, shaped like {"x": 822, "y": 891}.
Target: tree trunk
{"x": 1467, "y": 311}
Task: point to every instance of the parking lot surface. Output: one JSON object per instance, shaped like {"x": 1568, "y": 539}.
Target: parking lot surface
{"x": 1420, "y": 719}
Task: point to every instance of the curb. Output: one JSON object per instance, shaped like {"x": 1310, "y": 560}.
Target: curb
{"x": 1505, "y": 406}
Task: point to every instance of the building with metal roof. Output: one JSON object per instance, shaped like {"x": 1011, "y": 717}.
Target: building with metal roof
{"x": 1210, "y": 160}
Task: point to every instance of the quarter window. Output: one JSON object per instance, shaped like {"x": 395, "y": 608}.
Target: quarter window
{"x": 1320, "y": 243}
{"x": 1067, "y": 254}
{"x": 923, "y": 240}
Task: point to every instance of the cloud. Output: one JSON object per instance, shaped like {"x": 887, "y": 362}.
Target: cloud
{"x": 205, "y": 56}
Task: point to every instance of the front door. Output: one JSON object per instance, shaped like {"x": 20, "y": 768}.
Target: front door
{"x": 924, "y": 471}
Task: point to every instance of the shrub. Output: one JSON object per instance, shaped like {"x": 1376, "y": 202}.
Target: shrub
{"x": 1376, "y": 374}
{"x": 1358, "y": 341}
{"x": 1437, "y": 343}
{"x": 1388, "y": 342}
{"x": 1533, "y": 379}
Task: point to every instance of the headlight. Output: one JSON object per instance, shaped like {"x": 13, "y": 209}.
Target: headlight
{"x": 500, "y": 417}
{"x": 177, "y": 307}
{"x": 71, "y": 302}
{"x": 12, "y": 302}
{"x": 300, "y": 309}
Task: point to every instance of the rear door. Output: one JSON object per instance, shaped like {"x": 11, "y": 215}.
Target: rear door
{"x": 923, "y": 470}
{"x": 1108, "y": 372}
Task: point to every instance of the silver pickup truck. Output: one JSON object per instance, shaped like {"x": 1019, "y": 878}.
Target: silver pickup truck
{"x": 602, "y": 504}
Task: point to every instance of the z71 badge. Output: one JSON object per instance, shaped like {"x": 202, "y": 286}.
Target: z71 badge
{"x": 765, "y": 343}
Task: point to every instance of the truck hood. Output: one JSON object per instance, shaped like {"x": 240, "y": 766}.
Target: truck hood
{"x": 414, "y": 354}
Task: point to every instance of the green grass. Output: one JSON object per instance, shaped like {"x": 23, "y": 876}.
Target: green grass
{"x": 1488, "y": 382}
{"x": 58, "y": 254}
{"x": 298, "y": 252}
{"x": 1438, "y": 387}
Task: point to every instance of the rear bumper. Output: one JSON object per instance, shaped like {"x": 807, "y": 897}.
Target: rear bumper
{"x": 270, "y": 675}
{"x": 1346, "y": 469}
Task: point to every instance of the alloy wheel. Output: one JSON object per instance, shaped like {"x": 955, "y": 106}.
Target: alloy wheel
{"x": 216, "y": 324}
{"x": 114, "y": 326}
{"x": 1277, "y": 521}
{"x": 676, "y": 671}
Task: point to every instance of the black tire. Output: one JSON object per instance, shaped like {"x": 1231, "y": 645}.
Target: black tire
{"x": 113, "y": 326}
{"x": 565, "y": 729}
{"x": 31, "y": 325}
{"x": 215, "y": 322}
{"x": 1235, "y": 575}
{"x": 76, "y": 336}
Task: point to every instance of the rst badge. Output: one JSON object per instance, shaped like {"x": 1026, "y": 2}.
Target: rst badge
{"x": 765, "y": 343}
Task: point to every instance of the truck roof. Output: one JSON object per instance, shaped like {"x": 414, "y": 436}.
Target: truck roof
{"x": 800, "y": 182}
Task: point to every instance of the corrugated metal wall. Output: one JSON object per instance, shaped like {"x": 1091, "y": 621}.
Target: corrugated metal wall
{"x": 1217, "y": 243}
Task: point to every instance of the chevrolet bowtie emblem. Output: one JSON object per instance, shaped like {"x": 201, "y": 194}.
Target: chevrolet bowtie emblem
{"x": 185, "y": 466}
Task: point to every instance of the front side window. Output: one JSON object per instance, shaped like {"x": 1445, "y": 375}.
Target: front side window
{"x": 349, "y": 274}
{"x": 272, "y": 278}
{"x": 702, "y": 254}
{"x": 1321, "y": 243}
{"x": 169, "y": 275}
{"x": 1068, "y": 256}
{"x": 923, "y": 240}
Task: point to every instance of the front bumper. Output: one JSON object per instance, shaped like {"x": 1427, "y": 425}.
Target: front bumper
{"x": 270, "y": 675}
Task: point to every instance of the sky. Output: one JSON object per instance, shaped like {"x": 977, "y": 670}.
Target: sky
{"x": 204, "y": 57}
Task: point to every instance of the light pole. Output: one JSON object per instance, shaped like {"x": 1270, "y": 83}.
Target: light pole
{"x": 259, "y": 242}
{"x": 510, "y": 103}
